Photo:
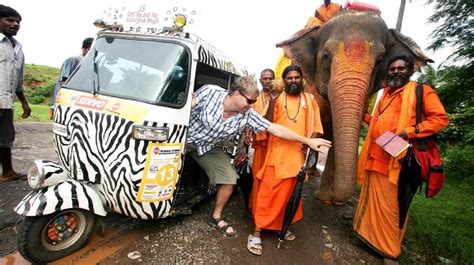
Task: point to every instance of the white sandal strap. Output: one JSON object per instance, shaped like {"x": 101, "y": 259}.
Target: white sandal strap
{"x": 254, "y": 241}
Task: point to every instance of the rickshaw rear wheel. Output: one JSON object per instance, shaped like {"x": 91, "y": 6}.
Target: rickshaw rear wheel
{"x": 47, "y": 238}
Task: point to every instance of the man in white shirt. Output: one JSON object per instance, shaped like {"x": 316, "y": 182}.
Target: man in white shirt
{"x": 11, "y": 81}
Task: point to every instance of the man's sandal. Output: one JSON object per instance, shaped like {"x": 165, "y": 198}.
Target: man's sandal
{"x": 12, "y": 176}
{"x": 289, "y": 236}
{"x": 224, "y": 227}
{"x": 254, "y": 245}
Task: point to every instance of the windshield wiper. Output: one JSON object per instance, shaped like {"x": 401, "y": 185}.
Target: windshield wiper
{"x": 95, "y": 87}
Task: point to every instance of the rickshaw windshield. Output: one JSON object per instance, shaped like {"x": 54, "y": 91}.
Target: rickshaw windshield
{"x": 144, "y": 70}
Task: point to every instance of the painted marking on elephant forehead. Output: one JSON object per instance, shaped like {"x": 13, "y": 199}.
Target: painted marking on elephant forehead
{"x": 356, "y": 50}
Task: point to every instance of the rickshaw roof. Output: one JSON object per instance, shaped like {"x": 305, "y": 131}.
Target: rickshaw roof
{"x": 212, "y": 56}
{"x": 206, "y": 52}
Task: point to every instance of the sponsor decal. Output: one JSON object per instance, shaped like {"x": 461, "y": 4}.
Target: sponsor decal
{"x": 130, "y": 110}
{"x": 115, "y": 107}
{"x": 91, "y": 102}
{"x": 161, "y": 172}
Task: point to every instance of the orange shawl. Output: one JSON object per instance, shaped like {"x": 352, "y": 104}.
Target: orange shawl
{"x": 408, "y": 96}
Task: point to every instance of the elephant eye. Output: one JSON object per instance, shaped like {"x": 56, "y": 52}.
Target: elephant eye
{"x": 327, "y": 56}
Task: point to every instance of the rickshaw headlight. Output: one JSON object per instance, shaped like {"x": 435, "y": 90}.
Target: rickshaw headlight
{"x": 36, "y": 174}
{"x": 150, "y": 133}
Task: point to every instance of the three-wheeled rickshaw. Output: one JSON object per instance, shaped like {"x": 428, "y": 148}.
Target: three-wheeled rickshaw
{"x": 120, "y": 124}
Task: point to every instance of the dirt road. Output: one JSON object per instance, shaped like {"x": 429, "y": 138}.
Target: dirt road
{"x": 323, "y": 236}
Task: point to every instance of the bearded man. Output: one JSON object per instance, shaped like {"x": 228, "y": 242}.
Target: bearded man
{"x": 376, "y": 220}
{"x": 274, "y": 182}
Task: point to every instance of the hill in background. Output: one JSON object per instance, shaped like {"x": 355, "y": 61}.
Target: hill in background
{"x": 39, "y": 83}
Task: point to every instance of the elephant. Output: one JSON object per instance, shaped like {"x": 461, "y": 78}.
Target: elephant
{"x": 344, "y": 61}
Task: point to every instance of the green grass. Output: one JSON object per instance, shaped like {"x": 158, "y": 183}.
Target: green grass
{"x": 38, "y": 113}
{"x": 443, "y": 226}
{"x": 39, "y": 74}
{"x": 39, "y": 83}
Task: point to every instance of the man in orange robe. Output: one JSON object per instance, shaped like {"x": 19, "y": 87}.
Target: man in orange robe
{"x": 261, "y": 106}
{"x": 376, "y": 219}
{"x": 274, "y": 182}
{"x": 327, "y": 10}
{"x": 259, "y": 143}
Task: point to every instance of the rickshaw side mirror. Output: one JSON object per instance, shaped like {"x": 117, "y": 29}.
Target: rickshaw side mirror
{"x": 177, "y": 73}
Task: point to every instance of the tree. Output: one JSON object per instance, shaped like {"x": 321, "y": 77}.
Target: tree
{"x": 401, "y": 11}
{"x": 456, "y": 24}
{"x": 456, "y": 82}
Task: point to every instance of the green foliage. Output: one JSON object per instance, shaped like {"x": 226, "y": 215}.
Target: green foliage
{"x": 456, "y": 87}
{"x": 458, "y": 162}
{"x": 460, "y": 130}
{"x": 455, "y": 27}
{"x": 40, "y": 95}
{"x": 39, "y": 83}
{"x": 442, "y": 226}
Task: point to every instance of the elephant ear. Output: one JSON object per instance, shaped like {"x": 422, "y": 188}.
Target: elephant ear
{"x": 419, "y": 58}
{"x": 399, "y": 44}
{"x": 298, "y": 47}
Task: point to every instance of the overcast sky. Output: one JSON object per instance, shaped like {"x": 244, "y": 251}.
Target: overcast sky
{"x": 246, "y": 30}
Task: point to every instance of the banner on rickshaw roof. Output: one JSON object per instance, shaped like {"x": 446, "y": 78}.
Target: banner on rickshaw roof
{"x": 148, "y": 16}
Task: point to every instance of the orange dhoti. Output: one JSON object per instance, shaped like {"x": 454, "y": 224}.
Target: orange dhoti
{"x": 269, "y": 202}
{"x": 376, "y": 220}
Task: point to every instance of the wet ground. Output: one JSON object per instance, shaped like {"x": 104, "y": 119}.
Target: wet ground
{"x": 323, "y": 236}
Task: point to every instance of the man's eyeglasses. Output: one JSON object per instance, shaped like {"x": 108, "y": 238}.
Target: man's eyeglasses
{"x": 249, "y": 100}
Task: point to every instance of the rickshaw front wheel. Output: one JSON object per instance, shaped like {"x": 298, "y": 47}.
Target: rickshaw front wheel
{"x": 43, "y": 239}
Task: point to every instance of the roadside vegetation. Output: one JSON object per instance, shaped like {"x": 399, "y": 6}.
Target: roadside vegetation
{"x": 441, "y": 229}
{"x": 39, "y": 88}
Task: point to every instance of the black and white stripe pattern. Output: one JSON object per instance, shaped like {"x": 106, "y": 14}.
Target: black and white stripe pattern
{"x": 209, "y": 55}
{"x": 99, "y": 149}
{"x": 67, "y": 195}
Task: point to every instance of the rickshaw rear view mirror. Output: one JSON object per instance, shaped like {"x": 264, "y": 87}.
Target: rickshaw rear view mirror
{"x": 178, "y": 72}
{"x": 159, "y": 134}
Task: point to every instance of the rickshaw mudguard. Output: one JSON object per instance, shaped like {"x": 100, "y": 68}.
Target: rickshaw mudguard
{"x": 67, "y": 195}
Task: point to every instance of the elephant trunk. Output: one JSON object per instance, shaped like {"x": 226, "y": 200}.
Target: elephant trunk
{"x": 348, "y": 91}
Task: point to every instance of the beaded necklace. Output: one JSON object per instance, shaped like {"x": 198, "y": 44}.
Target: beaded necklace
{"x": 298, "y": 112}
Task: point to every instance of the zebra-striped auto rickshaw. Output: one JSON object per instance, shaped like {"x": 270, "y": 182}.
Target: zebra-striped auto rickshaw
{"x": 120, "y": 127}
